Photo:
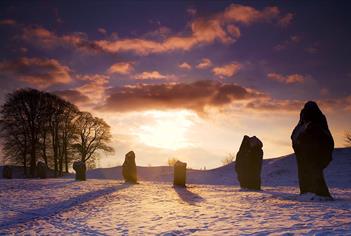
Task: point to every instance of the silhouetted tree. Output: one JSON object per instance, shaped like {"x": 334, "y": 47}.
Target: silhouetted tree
{"x": 348, "y": 139}
{"x": 172, "y": 161}
{"x": 22, "y": 114}
{"x": 93, "y": 136}
{"x": 35, "y": 124}
{"x": 14, "y": 143}
{"x": 228, "y": 159}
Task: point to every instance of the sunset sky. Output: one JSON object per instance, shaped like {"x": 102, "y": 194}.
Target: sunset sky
{"x": 185, "y": 79}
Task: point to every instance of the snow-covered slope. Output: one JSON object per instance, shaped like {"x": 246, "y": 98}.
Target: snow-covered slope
{"x": 280, "y": 171}
{"x": 111, "y": 207}
{"x": 277, "y": 171}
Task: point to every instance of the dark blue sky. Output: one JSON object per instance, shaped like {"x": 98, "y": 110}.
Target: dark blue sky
{"x": 206, "y": 72}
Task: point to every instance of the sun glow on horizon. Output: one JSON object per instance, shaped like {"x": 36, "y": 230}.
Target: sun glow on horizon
{"x": 168, "y": 129}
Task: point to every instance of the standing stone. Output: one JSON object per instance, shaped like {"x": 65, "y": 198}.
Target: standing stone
{"x": 179, "y": 174}
{"x": 129, "y": 169}
{"x": 313, "y": 145}
{"x": 7, "y": 172}
{"x": 41, "y": 170}
{"x": 248, "y": 163}
{"x": 80, "y": 168}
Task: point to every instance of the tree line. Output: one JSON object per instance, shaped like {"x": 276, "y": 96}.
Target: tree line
{"x": 40, "y": 126}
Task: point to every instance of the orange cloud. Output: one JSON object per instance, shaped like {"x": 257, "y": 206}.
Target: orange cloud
{"x": 94, "y": 88}
{"x": 185, "y": 66}
{"x": 121, "y": 68}
{"x": 288, "y": 79}
{"x": 150, "y": 75}
{"x": 73, "y": 96}
{"x": 40, "y": 36}
{"x": 268, "y": 104}
{"x": 247, "y": 15}
{"x": 286, "y": 20}
{"x": 226, "y": 70}
{"x": 204, "y": 63}
{"x": 41, "y": 73}
{"x": 295, "y": 39}
{"x": 221, "y": 27}
{"x": 194, "y": 96}
{"x": 7, "y": 22}
{"x": 47, "y": 39}
{"x": 102, "y": 31}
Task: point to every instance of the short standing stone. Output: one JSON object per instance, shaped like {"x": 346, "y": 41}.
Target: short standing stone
{"x": 80, "y": 168}
{"x": 129, "y": 169}
{"x": 248, "y": 163}
{"x": 313, "y": 145}
{"x": 7, "y": 172}
{"x": 179, "y": 174}
{"x": 41, "y": 170}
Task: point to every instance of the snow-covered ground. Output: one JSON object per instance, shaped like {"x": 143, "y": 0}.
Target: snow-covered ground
{"x": 212, "y": 204}
{"x": 109, "y": 207}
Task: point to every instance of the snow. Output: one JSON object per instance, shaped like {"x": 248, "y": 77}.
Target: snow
{"x": 212, "y": 204}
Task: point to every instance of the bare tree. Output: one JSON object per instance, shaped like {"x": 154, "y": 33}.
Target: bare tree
{"x": 35, "y": 125}
{"x": 93, "y": 136}
{"x": 172, "y": 161}
{"x": 228, "y": 159}
{"x": 348, "y": 139}
{"x": 22, "y": 112}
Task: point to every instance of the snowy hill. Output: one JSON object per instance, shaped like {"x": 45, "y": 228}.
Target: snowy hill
{"x": 280, "y": 171}
{"x": 110, "y": 207}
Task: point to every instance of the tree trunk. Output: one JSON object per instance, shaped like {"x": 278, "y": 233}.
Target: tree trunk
{"x": 66, "y": 162}
{"x": 25, "y": 164}
{"x": 54, "y": 147}
{"x": 44, "y": 149}
{"x": 32, "y": 160}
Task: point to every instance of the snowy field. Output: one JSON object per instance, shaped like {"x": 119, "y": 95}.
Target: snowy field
{"x": 211, "y": 205}
{"x": 110, "y": 207}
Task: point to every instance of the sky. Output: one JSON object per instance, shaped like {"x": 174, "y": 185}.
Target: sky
{"x": 184, "y": 79}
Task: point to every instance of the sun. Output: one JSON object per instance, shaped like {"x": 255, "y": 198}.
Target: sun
{"x": 166, "y": 129}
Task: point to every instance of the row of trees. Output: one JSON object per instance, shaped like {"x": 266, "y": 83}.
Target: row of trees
{"x": 40, "y": 126}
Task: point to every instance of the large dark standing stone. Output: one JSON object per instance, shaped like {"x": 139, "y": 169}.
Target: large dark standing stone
{"x": 179, "y": 174}
{"x": 7, "y": 172}
{"x": 129, "y": 169}
{"x": 248, "y": 163}
{"x": 313, "y": 145}
{"x": 80, "y": 168}
{"x": 41, "y": 170}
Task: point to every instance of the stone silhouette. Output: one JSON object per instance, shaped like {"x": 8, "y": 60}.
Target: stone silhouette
{"x": 129, "y": 169}
{"x": 179, "y": 174}
{"x": 248, "y": 163}
{"x": 7, "y": 172}
{"x": 41, "y": 170}
{"x": 80, "y": 168}
{"x": 313, "y": 145}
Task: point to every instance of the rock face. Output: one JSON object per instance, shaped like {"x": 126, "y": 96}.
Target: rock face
{"x": 41, "y": 170}
{"x": 7, "y": 172}
{"x": 80, "y": 168}
{"x": 313, "y": 145}
{"x": 179, "y": 174}
{"x": 129, "y": 169}
{"x": 248, "y": 163}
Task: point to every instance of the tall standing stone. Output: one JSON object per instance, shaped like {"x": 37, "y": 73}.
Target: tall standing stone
{"x": 248, "y": 163}
{"x": 7, "y": 172}
{"x": 129, "y": 169}
{"x": 80, "y": 168}
{"x": 313, "y": 145}
{"x": 179, "y": 174}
